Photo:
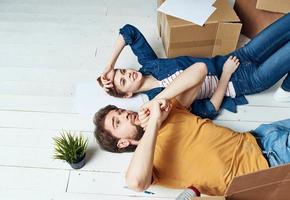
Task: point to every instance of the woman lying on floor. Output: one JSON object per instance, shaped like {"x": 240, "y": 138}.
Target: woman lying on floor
{"x": 262, "y": 63}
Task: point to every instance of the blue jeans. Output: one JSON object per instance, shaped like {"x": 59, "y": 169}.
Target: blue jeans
{"x": 265, "y": 59}
{"x": 274, "y": 140}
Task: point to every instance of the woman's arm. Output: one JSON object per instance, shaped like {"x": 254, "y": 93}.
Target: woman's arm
{"x": 138, "y": 44}
{"x": 118, "y": 47}
{"x": 229, "y": 68}
{"x": 189, "y": 78}
{"x": 108, "y": 73}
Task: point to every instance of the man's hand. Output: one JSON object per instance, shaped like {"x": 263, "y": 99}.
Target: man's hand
{"x": 154, "y": 110}
{"x": 231, "y": 65}
{"x": 107, "y": 77}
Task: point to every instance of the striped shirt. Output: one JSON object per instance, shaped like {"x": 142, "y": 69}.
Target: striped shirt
{"x": 208, "y": 86}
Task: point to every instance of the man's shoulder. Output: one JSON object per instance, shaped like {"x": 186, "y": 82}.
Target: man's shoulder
{"x": 176, "y": 105}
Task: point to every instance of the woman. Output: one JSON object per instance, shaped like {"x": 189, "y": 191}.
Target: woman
{"x": 262, "y": 62}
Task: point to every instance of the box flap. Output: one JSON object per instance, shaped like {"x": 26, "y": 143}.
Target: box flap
{"x": 280, "y": 6}
{"x": 269, "y": 184}
{"x": 223, "y": 13}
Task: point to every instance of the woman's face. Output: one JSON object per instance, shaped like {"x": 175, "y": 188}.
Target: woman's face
{"x": 127, "y": 80}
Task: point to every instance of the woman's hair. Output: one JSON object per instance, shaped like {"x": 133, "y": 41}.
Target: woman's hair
{"x": 105, "y": 139}
{"x": 111, "y": 91}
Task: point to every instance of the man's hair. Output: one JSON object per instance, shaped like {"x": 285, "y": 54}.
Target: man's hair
{"x": 111, "y": 91}
{"x": 104, "y": 137}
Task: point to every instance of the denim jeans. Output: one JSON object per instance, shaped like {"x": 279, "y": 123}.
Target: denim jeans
{"x": 274, "y": 140}
{"x": 265, "y": 59}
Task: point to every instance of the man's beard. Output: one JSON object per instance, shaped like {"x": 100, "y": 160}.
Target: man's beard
{"x": 140, "y": 133}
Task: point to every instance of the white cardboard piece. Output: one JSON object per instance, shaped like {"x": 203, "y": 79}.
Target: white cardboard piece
{"x": 195, "y": 11}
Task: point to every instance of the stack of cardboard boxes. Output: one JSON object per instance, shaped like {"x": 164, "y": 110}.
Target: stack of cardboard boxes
{"x": 256, "y": 15}
{"x": 220, "y": 33}
{"x": 218, "y": 36}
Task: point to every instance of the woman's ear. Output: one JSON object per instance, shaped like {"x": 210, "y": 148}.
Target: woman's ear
{"x": 128, "y": 95}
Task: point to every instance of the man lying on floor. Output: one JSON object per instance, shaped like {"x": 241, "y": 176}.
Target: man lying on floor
{"x": 179, "y": 150}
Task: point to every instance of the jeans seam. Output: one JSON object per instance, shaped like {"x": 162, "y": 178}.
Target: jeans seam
{"x": 268, "y": 47}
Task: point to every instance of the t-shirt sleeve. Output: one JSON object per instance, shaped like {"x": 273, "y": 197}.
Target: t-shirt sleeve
{"x": 154, "y": 176}
{"x": 176, "y": 104}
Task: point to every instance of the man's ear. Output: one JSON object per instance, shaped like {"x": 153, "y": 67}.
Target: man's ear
{"x": 128, "y": 95}
{"x": 123, "y": 143}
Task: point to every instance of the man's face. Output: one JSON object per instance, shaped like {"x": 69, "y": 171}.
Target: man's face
{"x": 127, "y": 80}
{"x": 123, "y": 124}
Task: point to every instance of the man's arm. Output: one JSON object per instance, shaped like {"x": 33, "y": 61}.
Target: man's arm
{"x": 191, "y": 78}
{"x": 139, "y": 173}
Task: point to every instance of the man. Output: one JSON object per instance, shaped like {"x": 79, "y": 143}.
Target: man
{"x": 178, "y": 149}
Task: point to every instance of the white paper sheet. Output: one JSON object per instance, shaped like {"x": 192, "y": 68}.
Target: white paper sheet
{"x": 195, "y": 11}
{"x": 89, "y": 98}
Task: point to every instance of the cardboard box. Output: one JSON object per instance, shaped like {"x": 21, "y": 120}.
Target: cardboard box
{"x": 159, "y": 16}
{"x": 253, "y": 19}
{"x": 269, "y": 184}
{"x": 279, "y": 6}
{"x": 218, "y": 36}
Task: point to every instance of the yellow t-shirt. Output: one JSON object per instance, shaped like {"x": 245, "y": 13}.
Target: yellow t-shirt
{"x": 191, "y": 151}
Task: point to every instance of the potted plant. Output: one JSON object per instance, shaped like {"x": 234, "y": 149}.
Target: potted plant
{"x": 71, "y": 148}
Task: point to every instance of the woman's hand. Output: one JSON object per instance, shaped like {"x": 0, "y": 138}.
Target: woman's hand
{"x": 231, "y": 65}
{"x": 107, "y": 77}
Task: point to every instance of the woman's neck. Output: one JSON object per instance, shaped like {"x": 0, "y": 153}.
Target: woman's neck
{"x": 149, "y": 83}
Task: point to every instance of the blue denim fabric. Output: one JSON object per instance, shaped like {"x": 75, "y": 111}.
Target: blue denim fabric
{"x": 264, "y": 60}
{"x": 161, "y": 68}
{"x": 274, "y": 140}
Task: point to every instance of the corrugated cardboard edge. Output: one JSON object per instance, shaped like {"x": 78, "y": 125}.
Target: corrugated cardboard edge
{"x": 210, "y": 198}
{"x": 273, "y": 183}
{"x": 159, "y": 16}
{"x": 280, "y": 6}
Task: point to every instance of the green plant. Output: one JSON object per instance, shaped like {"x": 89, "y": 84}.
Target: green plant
{"x": 69, "y": 147}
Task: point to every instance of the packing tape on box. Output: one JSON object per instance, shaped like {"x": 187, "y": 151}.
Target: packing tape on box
{"x": 196, "y": 43}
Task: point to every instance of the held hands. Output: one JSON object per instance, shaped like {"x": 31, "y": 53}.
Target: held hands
{"x": 231, "y": 65}
{"x": 107, "y": 77}
{"x": 154, "y": 110}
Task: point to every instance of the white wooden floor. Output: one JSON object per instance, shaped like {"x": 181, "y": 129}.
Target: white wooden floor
{"x": 46, "y": 48}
